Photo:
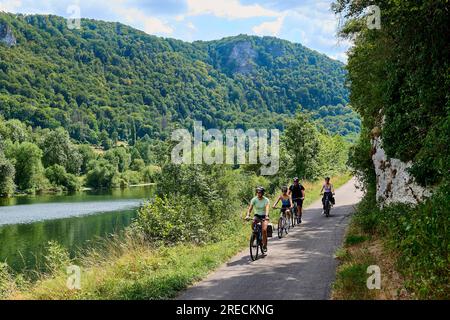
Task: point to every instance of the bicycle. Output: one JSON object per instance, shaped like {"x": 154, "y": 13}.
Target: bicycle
{"x": 296, "y": 217}
{"x": 256, "y": 238}
{"x": 283, "y": 224}
{"x": 327, "y": 204}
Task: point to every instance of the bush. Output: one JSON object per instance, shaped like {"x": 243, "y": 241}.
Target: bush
{"x": 72, "y": 183}
{"x": 137, "y": 164}
{"x": 130, "y": 177}
{"x": 58, "y": 177}
{"x": 102, "y": 174}
{"x": 171, "y": 221}
{"x": 195, "y": 203}
{"x": 150, "y": 173}
{"x": 56, "y": 258}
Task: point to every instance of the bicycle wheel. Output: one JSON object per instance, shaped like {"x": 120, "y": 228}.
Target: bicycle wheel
{"x": 293, "y": 215}
{"x": 327, "y": 209}
{"x": 280, "y": 227}
{"x": 254, "y": 247}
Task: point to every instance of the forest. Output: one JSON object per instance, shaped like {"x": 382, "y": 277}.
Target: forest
{"x": 110, "y": 79}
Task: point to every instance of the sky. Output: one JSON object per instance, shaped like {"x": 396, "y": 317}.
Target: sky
{"x": 309, "y": 22}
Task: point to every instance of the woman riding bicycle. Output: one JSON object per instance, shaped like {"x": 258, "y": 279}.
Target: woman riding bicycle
{"x": 262, "y": 206}
{"x": 327, "y": 191}
{"x": 286, "y": 202}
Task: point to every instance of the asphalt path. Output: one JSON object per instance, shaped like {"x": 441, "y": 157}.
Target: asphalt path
{"x": 297, "y": 267}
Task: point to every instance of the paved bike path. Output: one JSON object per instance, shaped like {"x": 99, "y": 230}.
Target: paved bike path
{"x": 299, "y": 266}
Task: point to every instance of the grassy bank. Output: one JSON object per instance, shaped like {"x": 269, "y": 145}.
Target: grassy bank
{"x": 409, "y": 244}
{"x": 131, "y": 268}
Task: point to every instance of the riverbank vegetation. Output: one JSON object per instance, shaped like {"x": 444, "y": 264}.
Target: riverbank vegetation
{"x": 399, "y": 78}
{"x": 163, "y": 252}
{"x": 39, "y": 160}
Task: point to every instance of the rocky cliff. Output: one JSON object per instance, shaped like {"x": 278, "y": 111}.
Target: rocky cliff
{"x": 394, "y": 182}
{"x": 6, "y": 35}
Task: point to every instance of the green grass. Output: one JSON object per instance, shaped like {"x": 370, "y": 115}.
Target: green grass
{"x": 130, "y": 268}
{"x": 353, "y": 239}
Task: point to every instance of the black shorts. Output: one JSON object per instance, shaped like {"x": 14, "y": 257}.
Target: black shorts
{"x": 284, "y": 209}
{"x": 260, "y": 217}
{"x": 299, "y": 202}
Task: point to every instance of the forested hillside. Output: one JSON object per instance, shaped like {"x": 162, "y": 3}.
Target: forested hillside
{"x": 110, "y": 79}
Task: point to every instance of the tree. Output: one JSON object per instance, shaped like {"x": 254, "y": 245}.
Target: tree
{"x": 58, "y": 149}
{"x": 58, "y": 176}
{"x": 303, "y": 145}
{"x": 29, "y": 170}
{"x": 137, "y": 165}
{"x": 119, "y": 157}
{"x": 102, "y": 174}
{"x": 105, "y": 140}
{"x": 7, "y": 173}
{"x": 16, "y": 131}
{"x": 87, "y": 155}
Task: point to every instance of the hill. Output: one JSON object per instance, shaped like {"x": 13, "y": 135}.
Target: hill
{"x": 111, "y": 77}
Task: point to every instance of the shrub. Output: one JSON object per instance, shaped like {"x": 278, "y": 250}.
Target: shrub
{"x": 102, "y": 174}
{"x": 130, "y": 177}
{"x": 58, "y": 177}
{"x": 171, "y": 221}
{"x": 150, "y": 173}
{"x": 56, "y": 258}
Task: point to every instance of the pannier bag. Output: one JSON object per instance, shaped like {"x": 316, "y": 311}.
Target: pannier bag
{"x": 269, "y": 230}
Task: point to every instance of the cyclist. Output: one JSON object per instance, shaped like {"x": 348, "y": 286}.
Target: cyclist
{"x": 286, "y": 202}
{"x": 297, "y": 193}
{"x": 261, "y": 204}
{"x": 327, "y": 189}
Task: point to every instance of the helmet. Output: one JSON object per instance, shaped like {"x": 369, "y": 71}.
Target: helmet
{"x": 296, "y": 179}
{"x": 327, "y": 178}
{"x": 260, "y": 189}
{"x": 284, "y": 189}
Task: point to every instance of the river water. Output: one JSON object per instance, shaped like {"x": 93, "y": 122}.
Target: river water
{"x": 75, "y": 221}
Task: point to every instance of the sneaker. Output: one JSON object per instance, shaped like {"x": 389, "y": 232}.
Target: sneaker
{"x": 265, "y": 248}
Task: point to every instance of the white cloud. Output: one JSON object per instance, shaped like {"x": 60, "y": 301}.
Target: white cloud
{"x": 341, "y": 56}
{"x": 149, "y": 24}
{"x": 230, "y": 9}
{"x": 10, "y": 5}
{"x": 271, "y": 28}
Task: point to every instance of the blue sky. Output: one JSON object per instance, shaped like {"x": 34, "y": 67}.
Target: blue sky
{"x": 309, "y": 22}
